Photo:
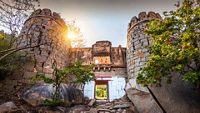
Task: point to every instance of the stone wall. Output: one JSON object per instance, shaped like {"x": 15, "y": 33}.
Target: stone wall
{"x": 82, "y": 54}
{"x": 101, "y": 50}
{"x": 114, "y": 72}
{"x": 44, "y": 32}
{"x": 117, "y": 55}
{"x": 137, "y": 40}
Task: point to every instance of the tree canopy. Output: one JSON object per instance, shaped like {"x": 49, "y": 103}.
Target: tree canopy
{"x": 76, "y": 73}
{"x": 13, "y": 13}
{"x": 75, "y": 35}
{"x": 175, "y": 46}
{"x": 11, "y": 62}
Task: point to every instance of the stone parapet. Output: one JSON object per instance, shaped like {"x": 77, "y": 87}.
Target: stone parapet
{"x": 142, "y": 17}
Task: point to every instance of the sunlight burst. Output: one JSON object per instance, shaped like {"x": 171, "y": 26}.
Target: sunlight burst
{"x": 72, "y": 35}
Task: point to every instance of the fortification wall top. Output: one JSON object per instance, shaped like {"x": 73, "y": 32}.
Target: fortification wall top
{"x": 143, "y": 17}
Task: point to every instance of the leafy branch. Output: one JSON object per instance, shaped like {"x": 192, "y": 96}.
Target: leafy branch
{"x": 80, "y": 73}
{"x": 175, "y": 46}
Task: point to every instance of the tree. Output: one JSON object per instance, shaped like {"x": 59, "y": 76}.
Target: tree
{"x": 75, "y": 35}
{"x": 175, "y": 47}
{"x": 13, "y": 13}
{"x": 12, "y": 62}
{"x": 73, "y": 74}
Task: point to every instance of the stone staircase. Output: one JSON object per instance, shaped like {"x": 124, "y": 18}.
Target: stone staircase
{"x": 122, "y": 105}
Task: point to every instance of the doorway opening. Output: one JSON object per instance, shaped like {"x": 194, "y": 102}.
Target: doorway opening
{"x": 101, "y": 90}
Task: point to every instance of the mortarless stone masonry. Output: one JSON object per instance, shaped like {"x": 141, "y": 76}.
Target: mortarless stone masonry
{"x": 137, "y": 40}
{"x": 46, "y": 31}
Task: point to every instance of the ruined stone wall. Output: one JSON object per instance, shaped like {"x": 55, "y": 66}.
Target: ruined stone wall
{"x": 102, "y": 51}
{"x": 86, "y": 55}
{"x": 82, "y": 54}
{"x": 137, "y": 40}
{"x": 118, "y": 56}
{"x": 45, "y": 33}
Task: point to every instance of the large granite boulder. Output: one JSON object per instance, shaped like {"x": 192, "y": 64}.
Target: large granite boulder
{"x": 37, "y": 94}
{"x": 182, "y": 96}
{"x": 58, "y": 109}
{"x": 143, "y": 101}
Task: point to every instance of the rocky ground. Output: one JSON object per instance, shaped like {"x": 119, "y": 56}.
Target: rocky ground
{"x": 11, "y": 101}
{"x": 122, "y": 105}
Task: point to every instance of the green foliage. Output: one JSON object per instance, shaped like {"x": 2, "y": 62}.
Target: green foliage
{"x": 101, "y": 92}
{"x": 53, "y": 103}
{"x": 175, "y": 46}
{"x": 10, "y": 63}
{"x": 81, "y": 73}
{"x": 40, "y": 77}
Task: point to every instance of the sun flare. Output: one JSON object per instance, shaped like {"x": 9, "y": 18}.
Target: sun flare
{"x": 71, "y": 35}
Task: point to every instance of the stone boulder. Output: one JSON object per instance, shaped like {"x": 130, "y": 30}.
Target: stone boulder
{"x": 37, "y": 94}
{"x": 59, "y": 109}
{"x": 8, "y": 107}
{"x": 79, "y": 109}
{"x": 143, "y": 101}
{"x": 46, "y": 109}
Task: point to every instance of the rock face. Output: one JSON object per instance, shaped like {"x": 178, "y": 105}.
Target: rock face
{"x": 44, "y": 32}
{"x": 143, "y": 101}
{"x": 37, "y": 94}
{"x": 182, "y": 96}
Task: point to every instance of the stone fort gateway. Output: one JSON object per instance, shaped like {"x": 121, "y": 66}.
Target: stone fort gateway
{"x": 115, "y": 68}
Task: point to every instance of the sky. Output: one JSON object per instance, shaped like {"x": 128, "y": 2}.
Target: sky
{"x": 105, "y": 19}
